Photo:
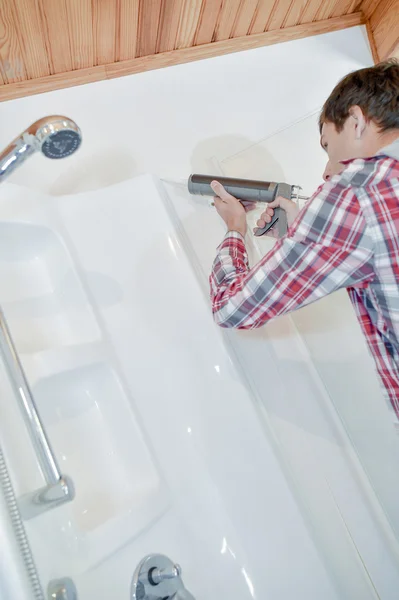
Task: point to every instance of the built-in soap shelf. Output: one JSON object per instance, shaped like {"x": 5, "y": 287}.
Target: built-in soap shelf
{"x": 86, "y": 410}
{"x": 99, "y": 443}
{"x": 42, "y": 296}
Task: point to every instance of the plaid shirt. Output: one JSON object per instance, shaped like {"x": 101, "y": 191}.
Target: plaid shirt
{"x": 347, "y": 236}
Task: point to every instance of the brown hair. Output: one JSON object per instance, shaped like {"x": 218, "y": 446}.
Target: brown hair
{"x": 374, "y": 89}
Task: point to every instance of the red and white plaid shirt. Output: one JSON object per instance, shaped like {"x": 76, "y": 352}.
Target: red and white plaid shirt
{"x": 347, "y": 236}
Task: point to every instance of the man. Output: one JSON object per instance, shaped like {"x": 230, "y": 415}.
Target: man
{"x": 347, "y": 236}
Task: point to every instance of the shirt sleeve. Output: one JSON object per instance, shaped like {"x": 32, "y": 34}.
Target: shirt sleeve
{"x": 328, "y": 247}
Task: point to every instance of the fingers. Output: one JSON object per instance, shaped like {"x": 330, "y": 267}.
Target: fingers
{"x": 248, "y": 205}
{"x": 285, "y": 203}
{"x": 279, "y": 201}
{"x": 265, "y": 217}
{"x": 221, "y": 192}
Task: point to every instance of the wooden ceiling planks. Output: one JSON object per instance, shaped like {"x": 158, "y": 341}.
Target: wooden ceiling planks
{"x": 325, "y": 10}
{"x": 149, "y": 16}
{"x": 54, "y": 19}
{"x": 188, "y": 23}
{"x": 127, "y": 31}
{"x": 345, "y": 7}
{"x": 12, "y": 67}
{"x": 295, "y": 13}
{"x": 384, "y": 24}
{"x": 262, "y": 16}
{"x": 42, "y": 38}
{"x": 279, "y": 14}
{"x": 105, "y": 15}
{"x": 311, "y": 9}
{"x": 244, "y": 18}
{"x": 29, "y": 26}
{"x": 80, "y": 27}
{"x": 227, "y": 18}
{"x": 369, "y": 6}
{"x": 208, "y": 21}
{"x": 169, "y": 25}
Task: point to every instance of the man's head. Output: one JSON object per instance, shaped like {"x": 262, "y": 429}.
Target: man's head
{"x": 362, "y": 113}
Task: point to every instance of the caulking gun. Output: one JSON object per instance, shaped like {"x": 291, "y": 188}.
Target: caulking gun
{"x": 250, "y": 190}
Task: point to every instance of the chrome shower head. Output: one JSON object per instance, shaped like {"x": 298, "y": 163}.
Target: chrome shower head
{"x": 55, "y": 137}
{"x": 58, "y": 137}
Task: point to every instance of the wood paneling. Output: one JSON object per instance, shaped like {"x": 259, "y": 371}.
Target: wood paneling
{"x": 262, "y": 15}
{"x": 188, "y": 23}
{"x": 311, "y": 9}
{"x": 55, "y": 29}
{"x": 324, "y": 11}
{"x": 373, "y": 46}
{"x": 208, "y": 21}
{"x": 295, "y": 13}
{"x": 279, "y": 14}
{"x": 368, "y": 6}
{"x": 41, "y": 38}
{"x": 244, "y": 18}
{"x": 12, "y": 66}
{"x": 149, "y": 16}
{"x": 80, "y": 33}
{"x": 344, "y": 7}
{"x": 31, "y": 38}
{"x": 126, "y": 45}
{"x": 105, "y": 20}
{"x": 384, "y": 25}
{"x": 227, "y": 18}
{"x": 169, "y": 25}
{"x": 184, "y": 55}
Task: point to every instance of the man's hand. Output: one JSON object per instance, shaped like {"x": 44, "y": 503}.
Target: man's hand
{"x": 288, "y": 205}
{"x": 230, "y": 209}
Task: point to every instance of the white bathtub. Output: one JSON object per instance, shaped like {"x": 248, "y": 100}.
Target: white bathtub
{"x": 222, "y": 450}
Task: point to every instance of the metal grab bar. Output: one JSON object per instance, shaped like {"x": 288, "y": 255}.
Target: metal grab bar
{"x": 59, "y": 488}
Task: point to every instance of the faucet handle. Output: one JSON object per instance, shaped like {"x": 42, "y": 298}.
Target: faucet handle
{"x": 156, "y": 575}
{"x": 156, "y": 578}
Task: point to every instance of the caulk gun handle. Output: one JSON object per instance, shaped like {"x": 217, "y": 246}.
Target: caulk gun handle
{"x": 284, "y": 190}
{"x": 280, "y": 216}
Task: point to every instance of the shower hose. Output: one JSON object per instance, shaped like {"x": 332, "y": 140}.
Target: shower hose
{"x": 19, "y": 529}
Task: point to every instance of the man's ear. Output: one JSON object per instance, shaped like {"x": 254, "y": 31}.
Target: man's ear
{"x": 360, "y": 121}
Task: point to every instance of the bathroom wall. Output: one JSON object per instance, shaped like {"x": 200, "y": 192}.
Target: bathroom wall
{"x": 254, "y": 111}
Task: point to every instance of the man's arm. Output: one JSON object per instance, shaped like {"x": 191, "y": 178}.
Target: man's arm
{"x": 327, "y": 248}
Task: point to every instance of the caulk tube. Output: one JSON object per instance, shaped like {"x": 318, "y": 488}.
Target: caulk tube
{"x": 242, "y": 189}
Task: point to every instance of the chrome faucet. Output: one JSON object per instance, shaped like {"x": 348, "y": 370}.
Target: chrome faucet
{"x": 158, "y": 578}
{"x": 54, "y": 136}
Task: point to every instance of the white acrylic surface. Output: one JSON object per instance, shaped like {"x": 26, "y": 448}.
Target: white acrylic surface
{"x": 223, "y": 451}
{"x": 329, "y": 329}
{"x": 193, "y": 407}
